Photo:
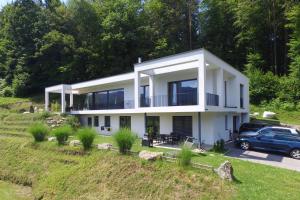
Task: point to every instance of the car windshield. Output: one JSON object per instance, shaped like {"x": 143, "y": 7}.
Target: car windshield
{"x": 298, "y": 132}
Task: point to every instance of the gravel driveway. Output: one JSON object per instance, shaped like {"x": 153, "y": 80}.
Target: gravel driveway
{"x": 277, "y": 160}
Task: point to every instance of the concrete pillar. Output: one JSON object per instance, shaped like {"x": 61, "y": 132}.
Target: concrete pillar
{"x": 136, "y": 89}
{"x": 220, "y": 87}
{"x": 71, "y": 99}
{"x": 151, "y": 90}
{"x": 46, "y": 101}
{"x": 201, "y": 83}
{"x": 63, "y": 100}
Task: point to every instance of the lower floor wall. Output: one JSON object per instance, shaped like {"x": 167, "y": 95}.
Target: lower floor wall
{"x": 210, "y": 126}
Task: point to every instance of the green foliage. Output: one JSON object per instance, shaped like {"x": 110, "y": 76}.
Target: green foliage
{"x": 185, "y": 156}
{"x": 62, "y": 134}
{"x": 125, "y": 139}
{"x": 73, "y": 121}
{"x": 219, "y": 146}
{"x": 86, "y": 136}
{"x": 39, "y": 131}
{"x": 55, "y": 106}
{"x": 45, "y": 115}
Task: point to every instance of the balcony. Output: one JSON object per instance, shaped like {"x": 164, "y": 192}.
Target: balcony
{"x": 212, "y": 99}
{"x": 126, "y": 104}
{"x": 179, "y": 99}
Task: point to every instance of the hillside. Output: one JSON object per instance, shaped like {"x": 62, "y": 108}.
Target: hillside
{"x": 55, "y": 172}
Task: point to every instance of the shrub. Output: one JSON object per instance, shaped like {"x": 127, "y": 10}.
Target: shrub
{"x": 73, "y": 122}
{"x": 185, "y": 156}
{"x": 219, "y": 146}
{"x": 38, "y": 131}
{"x": 86, "y": 136}
{"x": 62, "y": 134}
{"x": 124, "y": 139}
{"x": 45, "y": 115}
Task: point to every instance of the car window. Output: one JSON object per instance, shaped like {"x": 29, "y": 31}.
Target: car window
{"x": 283, "y": 131}
{"x": 267, "y": 132}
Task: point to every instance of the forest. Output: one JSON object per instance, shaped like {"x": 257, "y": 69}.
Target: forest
{"x": 48, "y": 42}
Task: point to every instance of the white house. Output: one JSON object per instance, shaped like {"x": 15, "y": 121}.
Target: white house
{"x": 191, "y": 94}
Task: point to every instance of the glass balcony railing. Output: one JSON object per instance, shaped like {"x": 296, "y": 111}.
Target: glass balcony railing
{"x": 212, "y": 99}
{"x": 126, "y": 104}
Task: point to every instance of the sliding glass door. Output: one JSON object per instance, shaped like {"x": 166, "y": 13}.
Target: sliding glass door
{"x": 182, "y": 92}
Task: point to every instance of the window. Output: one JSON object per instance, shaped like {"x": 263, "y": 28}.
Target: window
{"x": 283, "y": 131}
{"x": 116, "y": 99}
{"x": 183, "y": 92}
{"x": 96, "y": 121}
{"x": 89, "y": 121}
{"x": 107, "y": 121}
{"x": 267, "y": 132}
{"x": 108, "y": 99}
{"x": 125, "y": 122}
{"x": 226, "y": 122}
{"x": 144, "y": 96}
{"x": 241, "y": 95}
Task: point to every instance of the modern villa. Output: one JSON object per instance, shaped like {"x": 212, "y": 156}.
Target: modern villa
{"x": 193, "y": 94}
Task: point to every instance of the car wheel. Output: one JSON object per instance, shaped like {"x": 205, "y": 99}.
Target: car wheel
{"x": 295, "y": 153}
{"x": 245, "y": 145}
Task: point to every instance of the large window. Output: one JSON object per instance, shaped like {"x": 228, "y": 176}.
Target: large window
{"x": 183, "y": 92}
{"x": 125, "y": 122}
{"x": 144, "y": 96}
{"x": 108, "y": 99}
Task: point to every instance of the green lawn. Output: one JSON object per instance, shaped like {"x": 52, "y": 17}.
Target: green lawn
{"x": 15, "y": 192}
{"x": 283, "y": 116}
{"x": 55, "y": 173}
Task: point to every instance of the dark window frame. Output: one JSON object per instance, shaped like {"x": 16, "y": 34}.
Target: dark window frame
{"x": 128, "y": 120}
{"x": 144, "y": 102}
{"x": 90, "y": 121}
{"x": 178, "y": 97}
{"x": 241, "y": 96}
{"x": 96, "y": 121}
{"x": 107, "y": 121}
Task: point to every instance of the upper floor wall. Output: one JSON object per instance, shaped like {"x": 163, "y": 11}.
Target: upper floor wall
{"x": 192, "y": 81}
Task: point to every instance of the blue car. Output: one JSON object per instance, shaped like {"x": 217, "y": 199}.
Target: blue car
{"x": 277, "y": 139}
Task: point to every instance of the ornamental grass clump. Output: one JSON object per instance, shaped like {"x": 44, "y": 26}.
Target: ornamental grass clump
{"x": 185, "y": 156}
{"x": 62, "y": 134}
{"x": 86, "y": 137}
{"x": 124, "y": 138}
{"x": 39, "y": 131}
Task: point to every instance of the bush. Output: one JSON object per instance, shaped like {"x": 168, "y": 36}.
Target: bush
{"x": 86, "y": 136}
{"x": 45, "y": 115}
{"x": 62, "y": 134}
{"x": 124, "y": 139}
{"x": 39, "y": 131}
{"x": 185, "y": 156}
{"x": 73, "y": 122}
{"x": 219, "y": 146}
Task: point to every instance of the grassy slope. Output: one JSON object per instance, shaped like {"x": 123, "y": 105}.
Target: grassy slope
{"x": 107, "y": 175}
{"x": 13, "y": 191}
{"x": 288, "y": 117}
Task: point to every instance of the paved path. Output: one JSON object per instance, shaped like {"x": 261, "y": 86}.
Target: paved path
{"x": 266, "y": 158}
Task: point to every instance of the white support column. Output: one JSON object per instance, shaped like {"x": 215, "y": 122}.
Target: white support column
{"x": 220, "y": 86}
{"x": 63, "y": 100}
{"x": 46, "y": 101}
{"x": 151, "y": 90}
{"x": 201, "y": 83}
{"x": 71, "y": 99}
{"x": 136, "y": 89}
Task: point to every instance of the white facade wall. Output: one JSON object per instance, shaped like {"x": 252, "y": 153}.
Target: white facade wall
{"x": 212, "y": 124}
